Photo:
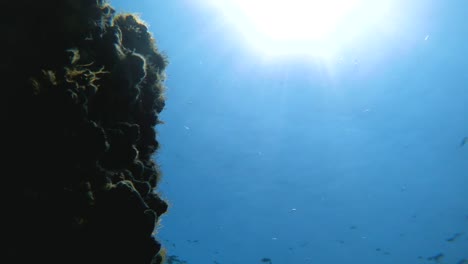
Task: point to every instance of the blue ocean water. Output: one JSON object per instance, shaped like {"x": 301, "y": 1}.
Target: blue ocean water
{"x": 354, "y": 159}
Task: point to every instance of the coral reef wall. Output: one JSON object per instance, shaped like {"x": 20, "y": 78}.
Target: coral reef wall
{"x": 82, "y": 89}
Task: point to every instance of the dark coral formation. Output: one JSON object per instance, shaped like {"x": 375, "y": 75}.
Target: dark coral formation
{"x": 82, "y": 88}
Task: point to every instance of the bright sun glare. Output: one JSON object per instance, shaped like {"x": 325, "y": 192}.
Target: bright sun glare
{"x": 303, "y": 27}
{"x": 295, "y": 20}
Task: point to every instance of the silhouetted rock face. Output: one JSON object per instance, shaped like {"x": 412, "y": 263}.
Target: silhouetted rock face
{"x": 82, "y": 89}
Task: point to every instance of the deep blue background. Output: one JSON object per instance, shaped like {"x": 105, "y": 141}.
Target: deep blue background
{"x": 290, "y": 160}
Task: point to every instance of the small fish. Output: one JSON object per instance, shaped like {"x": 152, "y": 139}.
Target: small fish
{"x": 454, "y": 237}
{"x": 173, "y": 259}
{"x": 464, "y": 141}
{"x": 437, "y": 258}
{"x": 266, "y": 260}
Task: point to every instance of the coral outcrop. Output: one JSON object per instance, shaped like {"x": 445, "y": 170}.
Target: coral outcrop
{"x": 82, "y": 89}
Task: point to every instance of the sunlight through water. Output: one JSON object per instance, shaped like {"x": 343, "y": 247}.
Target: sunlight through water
{"x": 312, "y": 28}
